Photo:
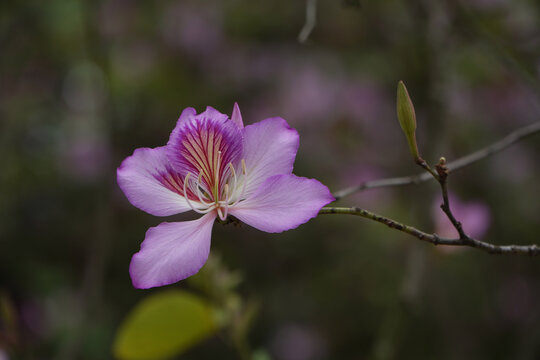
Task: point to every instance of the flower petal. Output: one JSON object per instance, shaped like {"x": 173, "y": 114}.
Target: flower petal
{"x": 186, "y": 115}
{"x": 270, "y": 148}
{"x": 172, "y": 252}
{"x": 283, "y": 202}
{"x": 149, "y": 183}
{"x": 236, "y": 116}
{"x": 212, "y": 113}
{"x": 205, "y": 144}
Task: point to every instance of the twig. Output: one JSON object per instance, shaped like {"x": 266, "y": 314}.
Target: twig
{"x": 532, "y": 250}
{"x": 311, "y": 20}
{"x": 442, "y": 171}
{"x": 462, "y": 162}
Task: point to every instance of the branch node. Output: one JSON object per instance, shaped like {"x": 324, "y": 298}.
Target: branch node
{"x": 442, "y": 169}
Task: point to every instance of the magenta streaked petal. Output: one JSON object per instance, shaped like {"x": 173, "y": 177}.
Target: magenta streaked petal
{"x": 205, "y": 144}
{"x": 283, "y": 202}
{"x": 236, "y": 116}
{"x": 172, "y": 252}
{"x": 149, "y": 183}
{"x": 186, "y": 115}
{"x": 270, "y": 148}
{"x": 212, "y": 113}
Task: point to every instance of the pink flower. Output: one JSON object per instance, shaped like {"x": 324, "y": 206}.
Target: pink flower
{"x": 214, "y": 166}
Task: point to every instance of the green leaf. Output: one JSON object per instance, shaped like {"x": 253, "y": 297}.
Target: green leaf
{"x": 261, "y": 354}
{"x": 407, "y": 117}
{"x": 163, "y": 325}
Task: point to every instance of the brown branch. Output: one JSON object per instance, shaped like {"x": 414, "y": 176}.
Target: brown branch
{"x": 460, "y": 163}
{"x": 442, "y": 171}
{"x": 532, "y": 250}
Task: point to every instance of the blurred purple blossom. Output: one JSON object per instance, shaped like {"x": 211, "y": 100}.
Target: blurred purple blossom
{"x": 506, "y": 103}
{"x": 33, "y": 317}
{"x": 194, "y": 28}
{"x": 475, "y": 217}
{"x": 3, "y": 355}
{"x": 514, "y": 165}
{"x": 308, "y": 95}
{"x": 85, "y": 157}
{"x": 357, "y": 174}
{"x": 364, "y": 100}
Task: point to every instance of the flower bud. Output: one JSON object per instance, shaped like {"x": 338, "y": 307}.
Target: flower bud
{"x": 407, "y": 118}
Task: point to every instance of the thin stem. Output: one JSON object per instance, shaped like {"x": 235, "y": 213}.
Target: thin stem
{"x": 424, "y": 165}
{"x": 311, "y": 19}
{"x": 445, "y": 206}
{"x": 462, "y": 162}
{"x": 532, "y": 250}
{"x": 442, "y": 170}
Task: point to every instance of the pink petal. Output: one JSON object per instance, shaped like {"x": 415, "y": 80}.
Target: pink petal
{"x": 270, "y": 148}
{"x": 212, "y": 113}
{"x": 149, "y": 183}
{"x": 283, "y": 202}
{"x": 172, "y": 252}
{"x": 186, "y": 115}
{"x": 236, "y": 116}
{"x": 205, "y": 144}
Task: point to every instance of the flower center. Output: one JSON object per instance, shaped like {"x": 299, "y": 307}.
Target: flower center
{"x": 222, "y": 193}
{"x": 207, "y": 152}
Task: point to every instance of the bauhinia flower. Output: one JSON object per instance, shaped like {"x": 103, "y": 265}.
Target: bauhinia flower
{"x": 214, "y": 166}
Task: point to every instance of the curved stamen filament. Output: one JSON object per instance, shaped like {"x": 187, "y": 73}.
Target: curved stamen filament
{"x": 223, "y": 210}
{"x": 234, "y": 175}
{"x": 199, "y": 192}
{"x": 212, "y": 201}
{"x": 221, "y": 217}
{"x": 243, "y": 191}
{"x": 197, "y": 210}
{"x": 216, "y": 177}
{"x": 226, "y": 200}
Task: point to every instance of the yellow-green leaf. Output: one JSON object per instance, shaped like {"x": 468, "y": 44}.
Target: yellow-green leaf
{"x": 163, "y": 325}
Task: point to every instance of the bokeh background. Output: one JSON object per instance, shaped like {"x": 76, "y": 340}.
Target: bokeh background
{"x": 83, "y": 83}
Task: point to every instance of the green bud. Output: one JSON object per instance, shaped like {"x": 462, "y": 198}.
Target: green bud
{"x": 407, "y": 118}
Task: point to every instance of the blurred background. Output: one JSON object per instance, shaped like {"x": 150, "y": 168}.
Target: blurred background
{"x": 83, "y": 83}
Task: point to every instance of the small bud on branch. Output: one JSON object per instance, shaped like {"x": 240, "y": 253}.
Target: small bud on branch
{"x": 407, "y": 119}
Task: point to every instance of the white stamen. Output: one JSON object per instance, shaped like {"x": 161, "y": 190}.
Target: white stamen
{"x": 243, "y": 191}
{"x": 234, "y": 176}
{"x": 220, "y": 214}
{"x": 200, "y": 211}
{"x": 224, "y": 205}
{"x": 226, "y": 200}
{"x": 199, "y": 193}
{"x": 216, "y": 177}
